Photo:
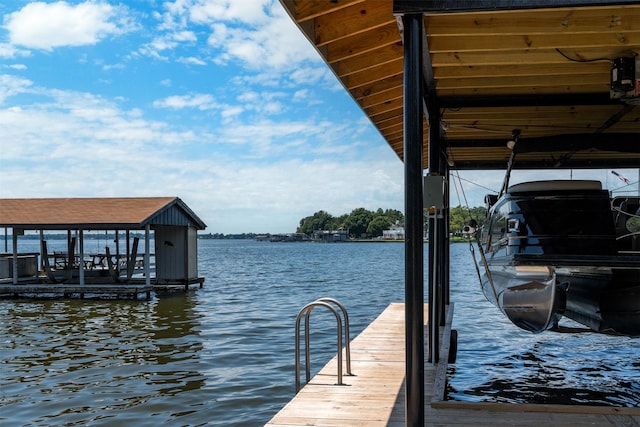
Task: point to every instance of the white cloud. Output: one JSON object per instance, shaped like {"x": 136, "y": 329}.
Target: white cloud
{"x": 8, "y": 50}
{"x": 69, "y": 125}
{"x": 191, "y": 60}
{"x": 250, "y": 12}
{"x": 17, "y": 66}
{"x": 45, "y": 26}
{"x": 308, "y": 75}
{"x": 185, "y": 36}
{"x": 237, "y": 166}
{"x": 108, "y": 67}
{"x": 198, "y": 100}
{"x": 12, "y": 85}
{"x": 256, "y": 33}
{"x": 163, "y": 43}
{"x": 231, "y": 111}
{"x": 264, "y": 103}
{"x": 301, "y": 95}
{"x": 86, "y": 145}
{"x": 273, "y": 198}
{"x": 276, "y": 43}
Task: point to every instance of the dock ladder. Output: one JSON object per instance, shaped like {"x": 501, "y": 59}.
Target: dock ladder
{"x": 330, "y": 304}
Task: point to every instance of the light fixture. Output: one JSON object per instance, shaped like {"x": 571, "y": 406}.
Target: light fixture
{"x": 515, "y": 134}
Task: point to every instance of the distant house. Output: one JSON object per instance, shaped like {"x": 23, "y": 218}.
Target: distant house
{"x": 289, "y": 237}
{"x": 329, "y": 236}
{"x": 395, "y": 232}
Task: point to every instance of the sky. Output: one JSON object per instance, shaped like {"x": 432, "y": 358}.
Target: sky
{"x": 223, "y": 103}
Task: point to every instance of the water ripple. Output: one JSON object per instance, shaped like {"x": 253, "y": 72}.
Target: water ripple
{"x": 224, "y": 355}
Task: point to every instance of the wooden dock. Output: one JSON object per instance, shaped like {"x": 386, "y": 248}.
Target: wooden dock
{"x": 374, "y": 396}
{"x": 70, "y": 290}
{"x": 100, "y": 288}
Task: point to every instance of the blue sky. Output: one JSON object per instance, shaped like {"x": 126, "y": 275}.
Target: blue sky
{"x": 222, "y": 103}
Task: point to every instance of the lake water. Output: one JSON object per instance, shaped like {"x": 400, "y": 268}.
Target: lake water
{"x": 224, "y": 355}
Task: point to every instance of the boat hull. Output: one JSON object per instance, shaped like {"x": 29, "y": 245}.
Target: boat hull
{"x": 536, "y": 298}
{"x": 527, "y": 295}
{"x": 564, "y": 249}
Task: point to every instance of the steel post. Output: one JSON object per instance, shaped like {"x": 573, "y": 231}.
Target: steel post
{"x": 414, "y": 252}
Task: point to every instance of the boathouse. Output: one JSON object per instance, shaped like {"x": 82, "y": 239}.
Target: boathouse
{"x": 123, "y": 267}
{"x": 451, "y": 85}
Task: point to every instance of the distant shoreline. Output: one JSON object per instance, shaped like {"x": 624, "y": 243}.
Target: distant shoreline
{"x": 454, "y": 239}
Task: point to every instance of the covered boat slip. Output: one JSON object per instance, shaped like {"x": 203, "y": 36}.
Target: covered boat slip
{"x": 449, "y": 82}
{"x": 126, "y": 267}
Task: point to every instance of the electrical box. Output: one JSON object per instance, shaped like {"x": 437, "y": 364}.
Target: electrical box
{"x": 625, "y": 80}
{"x": 433, "y": 191}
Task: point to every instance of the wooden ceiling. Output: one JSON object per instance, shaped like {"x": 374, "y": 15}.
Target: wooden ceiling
{"x": 544, "y": 71}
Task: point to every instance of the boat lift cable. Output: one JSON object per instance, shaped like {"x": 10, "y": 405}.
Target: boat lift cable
{"x": 464, "y": 195}
{"x": 476, "y": 184}
{"x": 629, "y": 184}
{"x": 486, "y": 269}
{"x": 475, "y": 235}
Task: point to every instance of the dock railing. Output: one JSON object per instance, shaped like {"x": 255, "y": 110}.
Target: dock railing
{"x": 328, "y": 303}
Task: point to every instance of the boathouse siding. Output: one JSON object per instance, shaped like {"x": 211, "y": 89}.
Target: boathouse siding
{"x": 170, "y": 241}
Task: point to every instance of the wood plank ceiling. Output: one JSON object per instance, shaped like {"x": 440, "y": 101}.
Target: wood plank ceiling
{"x": 543, "y": 71}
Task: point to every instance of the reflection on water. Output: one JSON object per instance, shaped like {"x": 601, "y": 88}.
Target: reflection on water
{"x": 224, "y": 355}
{"x": 78, "y": 362}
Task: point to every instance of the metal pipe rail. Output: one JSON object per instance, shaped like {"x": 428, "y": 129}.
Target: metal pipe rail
{"x": 306, "y": 312}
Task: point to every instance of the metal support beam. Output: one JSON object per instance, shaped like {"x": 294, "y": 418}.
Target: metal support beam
{"x": 414, "y": 251}
{"x": 14, "y": 249}
{"x": 147, "y": 255}
{"x": 436, "y": 238}
{"x": 81, "y": 257}
{"x": 444, "y": 247}
{"x": 452, "y": 6}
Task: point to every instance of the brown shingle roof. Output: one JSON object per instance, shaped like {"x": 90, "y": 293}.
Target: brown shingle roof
{"x": 88, "y": 213}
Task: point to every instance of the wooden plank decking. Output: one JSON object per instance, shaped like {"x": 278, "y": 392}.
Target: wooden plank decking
{"x": 372, "y": 397}
{"x": 375, "y": 395}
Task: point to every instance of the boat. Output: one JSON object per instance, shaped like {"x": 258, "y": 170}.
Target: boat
{"x": 563, "y": 248}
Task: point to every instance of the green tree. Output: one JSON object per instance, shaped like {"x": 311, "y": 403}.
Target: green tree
{"x": 395, "y": 216}
{"x": 358, "y": 221}
{"x": 460, "y": 217}
{"x": 320, "y": 220}
{"x": 479, "y": 213}
{"x": 377, "y": 225}
{"x": 339, "y": 222}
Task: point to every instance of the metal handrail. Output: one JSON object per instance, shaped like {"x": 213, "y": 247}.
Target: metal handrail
{"x": 306, "y": 311}
{"x": 346, "y": 330}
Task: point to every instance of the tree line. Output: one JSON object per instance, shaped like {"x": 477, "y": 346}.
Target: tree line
{"x": 360, "y": 222}
{"x": 365, "y": 223}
